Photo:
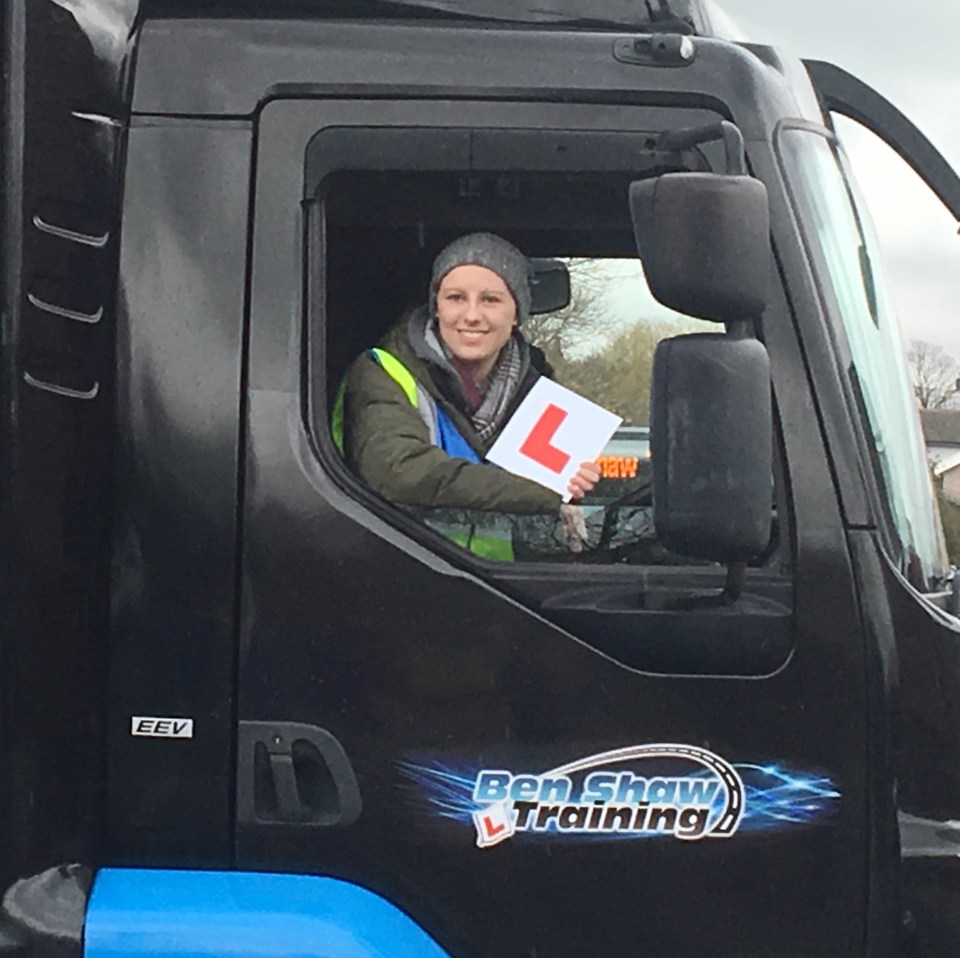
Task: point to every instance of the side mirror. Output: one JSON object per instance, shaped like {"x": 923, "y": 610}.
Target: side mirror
{"x": 549, "y": 286}
{"x": 704, "y": 242}
{"x": 712, "y": 447}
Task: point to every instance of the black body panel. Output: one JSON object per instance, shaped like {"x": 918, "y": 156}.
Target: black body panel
{"x": 844, "y": 94}
{"x": 182, "y": 281}
{"x": 65, "y": 107}
{"x": 427, "y": 660}
{"x": 316, "y": 58}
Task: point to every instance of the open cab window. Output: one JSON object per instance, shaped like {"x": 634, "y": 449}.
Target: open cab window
{"x": 382, "y": 232}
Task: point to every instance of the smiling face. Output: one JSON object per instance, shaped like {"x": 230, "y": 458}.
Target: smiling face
{"x": 476, "y": 314}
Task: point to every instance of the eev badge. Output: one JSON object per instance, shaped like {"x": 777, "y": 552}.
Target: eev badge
{"x": 494, "y": 824}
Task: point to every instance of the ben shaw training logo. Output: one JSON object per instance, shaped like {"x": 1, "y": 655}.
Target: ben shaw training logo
{"x": 608, "y": 795}
{"x": 665, "y": 792}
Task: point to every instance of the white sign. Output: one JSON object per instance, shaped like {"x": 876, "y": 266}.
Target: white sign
{"x": 551, "y": 433}
{"x": 152, "y": 726}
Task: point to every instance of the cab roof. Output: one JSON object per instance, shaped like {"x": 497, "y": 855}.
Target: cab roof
{"x": 673, "y": 16}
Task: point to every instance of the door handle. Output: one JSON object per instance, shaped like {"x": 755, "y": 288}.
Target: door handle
{"x": 291, "y": 773}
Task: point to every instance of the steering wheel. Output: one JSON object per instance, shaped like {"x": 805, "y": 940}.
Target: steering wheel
{"x": 639, "y": 495}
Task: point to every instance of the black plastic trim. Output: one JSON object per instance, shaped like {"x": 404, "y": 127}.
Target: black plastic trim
{"x": 843, "y": 93}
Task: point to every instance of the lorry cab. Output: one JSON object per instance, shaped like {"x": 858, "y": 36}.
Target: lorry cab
{"x": 249, "y": 704}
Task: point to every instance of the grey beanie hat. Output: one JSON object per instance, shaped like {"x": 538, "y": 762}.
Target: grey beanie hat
{"x": 493, "y": 252}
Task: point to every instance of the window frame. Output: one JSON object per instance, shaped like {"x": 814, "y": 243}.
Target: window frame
{"x": 318, "y": 385}
{"x": 893, "y": 544}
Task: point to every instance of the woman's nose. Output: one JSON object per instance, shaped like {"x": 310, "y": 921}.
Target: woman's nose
{"x": 473, "y": 308}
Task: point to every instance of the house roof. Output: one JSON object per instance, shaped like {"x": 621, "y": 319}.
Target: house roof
{"x": 941, "y": 426}
{"x": 946, "y": 464}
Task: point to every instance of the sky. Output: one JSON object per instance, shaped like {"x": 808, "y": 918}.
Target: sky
{"x": 907, "y": 52}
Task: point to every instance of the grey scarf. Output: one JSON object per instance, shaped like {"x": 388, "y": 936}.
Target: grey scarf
{"x": 498, "y": 390}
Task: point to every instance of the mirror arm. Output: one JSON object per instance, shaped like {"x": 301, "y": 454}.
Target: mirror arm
{"x": 676, "y": 141}
{"x": 736, "y": 580}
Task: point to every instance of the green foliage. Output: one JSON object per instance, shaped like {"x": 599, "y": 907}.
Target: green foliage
{"x": 602, "y": 345}
{"x": 618, "y": 377}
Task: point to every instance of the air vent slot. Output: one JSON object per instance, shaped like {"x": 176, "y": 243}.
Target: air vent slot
{"x": 49, "y": 295}
{"x": 72, "y": 222}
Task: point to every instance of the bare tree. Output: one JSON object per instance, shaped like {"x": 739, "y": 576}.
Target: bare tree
{"x": 935, "y": 374}
{"x": 584, "y": 321}
{"x": 619, "y": 376}
{"x": 596, "y": 347}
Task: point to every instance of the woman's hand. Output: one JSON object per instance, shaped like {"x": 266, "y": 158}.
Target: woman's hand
{"x": 573, "y": 527}
{"x": 587, "y": 476}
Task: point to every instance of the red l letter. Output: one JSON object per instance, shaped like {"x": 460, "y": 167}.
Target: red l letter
{"x": 492, "y": 830}
{"x": 537, "y": 445}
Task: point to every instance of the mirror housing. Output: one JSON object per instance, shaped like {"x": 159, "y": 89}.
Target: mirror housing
{"x": 549, "y": 286}
{"x": 704, "y": 240}
{"x": 711, "y": 435}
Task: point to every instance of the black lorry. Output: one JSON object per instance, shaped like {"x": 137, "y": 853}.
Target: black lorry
{"x": 249, "y": 707}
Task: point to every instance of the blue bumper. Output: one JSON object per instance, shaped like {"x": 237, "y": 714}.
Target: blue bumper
{"x": 136, "y": 913}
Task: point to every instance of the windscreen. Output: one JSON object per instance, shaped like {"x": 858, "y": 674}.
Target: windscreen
{"x": 840, "y": 236}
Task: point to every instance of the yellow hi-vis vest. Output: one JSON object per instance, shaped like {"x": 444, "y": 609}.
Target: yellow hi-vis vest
{"x": 485, "y": 540}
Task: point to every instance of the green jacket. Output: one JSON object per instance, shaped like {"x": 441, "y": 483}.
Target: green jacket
{"x": 387, "y": 443}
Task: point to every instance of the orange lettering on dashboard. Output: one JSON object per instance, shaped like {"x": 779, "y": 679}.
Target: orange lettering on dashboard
{"x": 618, "y": 467}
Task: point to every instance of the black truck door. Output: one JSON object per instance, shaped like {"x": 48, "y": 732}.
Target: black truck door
{"x": 522, "y": 758}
